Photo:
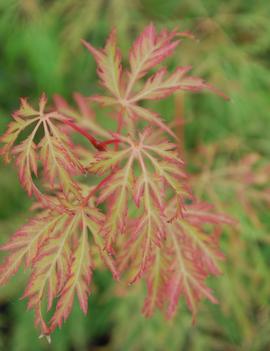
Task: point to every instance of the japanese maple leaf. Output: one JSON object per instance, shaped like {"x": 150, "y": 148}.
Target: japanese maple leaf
{"x": 55, "y": 246}
{"x": 190, "y": 254}
{"x": 54, "y": 150}
{"x": 150, "y": 49}
{"x": 157, "y": 167}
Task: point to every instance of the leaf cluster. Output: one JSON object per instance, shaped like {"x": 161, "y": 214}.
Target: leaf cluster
{"x": 139, "y": 218}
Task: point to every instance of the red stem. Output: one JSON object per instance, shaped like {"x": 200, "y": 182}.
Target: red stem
{"x": 101, "y": 146}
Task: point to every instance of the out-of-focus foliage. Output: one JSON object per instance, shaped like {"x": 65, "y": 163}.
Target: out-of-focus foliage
{"x": 227, "y": 151}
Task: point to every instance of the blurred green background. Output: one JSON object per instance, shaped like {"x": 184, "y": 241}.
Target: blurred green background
{"x": 226, "y": 147}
